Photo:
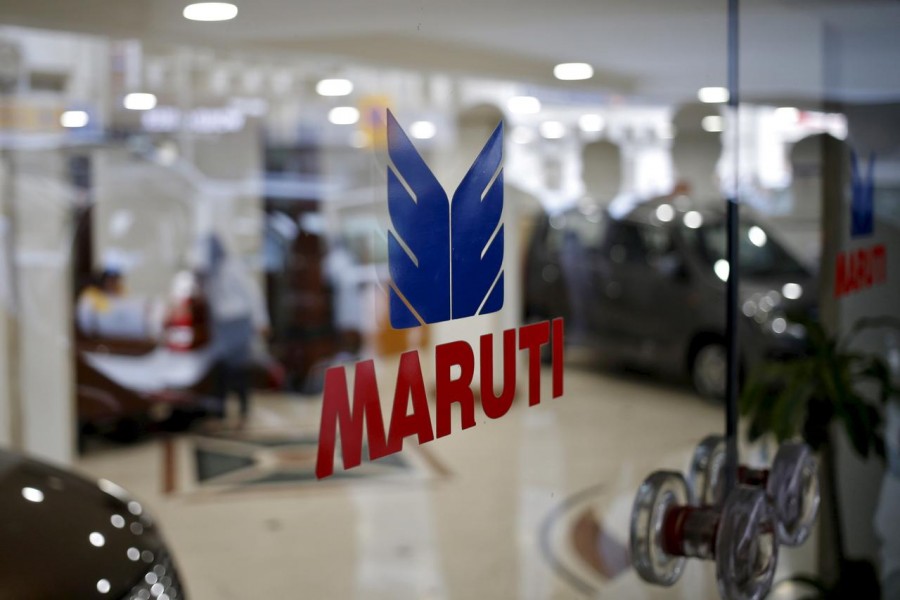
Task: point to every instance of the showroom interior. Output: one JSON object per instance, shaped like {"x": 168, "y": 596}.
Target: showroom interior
{"x": 223, "y": 228}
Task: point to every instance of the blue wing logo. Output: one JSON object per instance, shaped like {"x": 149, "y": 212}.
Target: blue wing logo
{"x": 445, "y": 257}
{"x": 862, "y": 201}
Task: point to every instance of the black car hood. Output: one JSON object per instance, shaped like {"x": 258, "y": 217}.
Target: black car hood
{"x": 63, "y": 536}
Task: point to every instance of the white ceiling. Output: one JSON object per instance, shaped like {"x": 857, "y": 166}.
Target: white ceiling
{"x": 660, "y": 49}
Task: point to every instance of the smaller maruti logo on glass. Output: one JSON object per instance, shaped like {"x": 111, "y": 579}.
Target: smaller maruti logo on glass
{"x": 445, "y": 257}
{"x": 862, "y": 201}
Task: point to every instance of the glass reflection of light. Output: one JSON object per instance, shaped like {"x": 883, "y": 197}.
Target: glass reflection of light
{"x": 524, "y": 105}
{"x": 96, "y": 538}
{"x": 591, "y": 123}
{"x": 136, "y": 528}
{"x": 665, "y": 213}
{"x": 792, "y": 291}
{"x": 343, "y": 115}
{"x": 133, "y": 554}
{"x": 693, "y": 219}
{"x": 156, "y": 589}
{"x": 103, "y": 586}
{"x": 749, "y": 308}
{"x": 135, "y": 507}
{"x": 757, "y": 236}
{"x": 423, "y": 130}
{"x": 118, "y": 521}
{"x": 151, "y": 578}
{"x": 722, "y": 269}
{"x": 32, "y": 494}
{"x": 779, "y": 325}
{"x": 147, "y": 556}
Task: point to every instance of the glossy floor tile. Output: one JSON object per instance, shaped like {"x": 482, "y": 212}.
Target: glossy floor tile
{"x": 533, "y": 505}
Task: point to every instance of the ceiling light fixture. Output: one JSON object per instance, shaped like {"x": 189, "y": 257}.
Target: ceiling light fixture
{"x": 552, "y": 130}
{"x": 334, "y": 87}
{"x": 573, "y": 71}
{"x": 139, "y": 101}
{"x": 712, "y": 123}
{"x": 423, "y": 130}
{"x": 713, "y": 95}
{"x": 210, "y": 11}
{"x": 524, "y": 105}
{"x": 591, "y": 123}
{"x": 73, "y": 119}
{"x": 343, "y": 115}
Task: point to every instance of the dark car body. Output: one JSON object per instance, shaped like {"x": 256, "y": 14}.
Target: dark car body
{"x": 64, "y": 536}
{"x": 644, "y": 288}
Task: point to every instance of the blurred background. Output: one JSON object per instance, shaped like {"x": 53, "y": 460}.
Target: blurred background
{"x": 194, "y": 223}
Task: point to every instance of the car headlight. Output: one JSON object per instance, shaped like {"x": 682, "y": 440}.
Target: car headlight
{"x": 766, "y": 311}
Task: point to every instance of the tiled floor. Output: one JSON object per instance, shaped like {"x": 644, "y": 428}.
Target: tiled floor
{"x": 484, "y": 513}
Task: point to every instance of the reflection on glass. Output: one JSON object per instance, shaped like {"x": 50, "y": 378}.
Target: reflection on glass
{"x": 96, "y": 538}
{"x": 118, "y": 521}
{"x": 721, "y": 268}
{"x": 133, "y": 554}
{"x": 134, "y": 507}
{"x": 792, "y": 291}
{"x": 32, "y": 494}
{"x": 757, "y": 236}
{"x": 693, "y": 219}
{"x": 665, "y": 213}
{"x": 103, "y": 586}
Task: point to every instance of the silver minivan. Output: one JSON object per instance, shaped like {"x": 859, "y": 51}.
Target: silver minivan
{"x": 648, "y": 289}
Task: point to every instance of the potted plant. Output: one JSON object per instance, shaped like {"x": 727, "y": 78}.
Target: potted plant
{"x": 806, "y": 397}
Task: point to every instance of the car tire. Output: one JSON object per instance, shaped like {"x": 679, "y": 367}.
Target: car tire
{"x": 709, "y": 370}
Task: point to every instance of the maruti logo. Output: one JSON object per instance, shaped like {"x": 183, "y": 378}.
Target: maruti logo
{"x": 862, "y": 201}
{"x": 446, "y": 258}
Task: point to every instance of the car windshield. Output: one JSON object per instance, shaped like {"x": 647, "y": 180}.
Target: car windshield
{"x": 760, "y": 255}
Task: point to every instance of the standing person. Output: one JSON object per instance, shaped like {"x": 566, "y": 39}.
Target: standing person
{"x": 238, "y": 316}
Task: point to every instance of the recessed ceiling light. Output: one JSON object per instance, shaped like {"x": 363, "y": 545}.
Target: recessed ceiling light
{"x": 343, "y": 115}
{"x": 591, "y": 123}
{"x": 423, "y": 130}
{"x": 552, "y": 130}
{"x": 573, "y": 71}
{"x": 712, "y": 123}
{"x": 139, "y": 101}
{"x": 713, "y": 95}
{"x": 787, "y": 114}
{"x": 210, "y": 11}
{"x": 334, "y": 87}
{"x": 524, "y": 105}
{"x": 72, "y": 119}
